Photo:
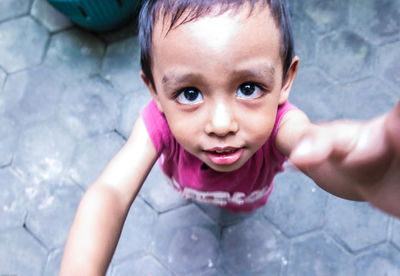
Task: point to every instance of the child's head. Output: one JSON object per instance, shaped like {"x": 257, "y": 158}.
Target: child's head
{"x": 215, "y": 70}
{"x": 176, "y": 12}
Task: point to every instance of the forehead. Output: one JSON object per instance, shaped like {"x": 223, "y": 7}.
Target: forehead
{"x": 213, "y": 20}
{"x": 242, "y": 39}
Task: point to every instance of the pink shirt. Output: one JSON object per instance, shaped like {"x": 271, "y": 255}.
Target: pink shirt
{"x": 243, "y": 190}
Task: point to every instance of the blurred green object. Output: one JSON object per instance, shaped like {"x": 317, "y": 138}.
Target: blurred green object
{"x": 98, "y": 15}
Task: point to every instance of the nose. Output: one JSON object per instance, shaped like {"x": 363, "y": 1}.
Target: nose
{"x": 222, "y": 120}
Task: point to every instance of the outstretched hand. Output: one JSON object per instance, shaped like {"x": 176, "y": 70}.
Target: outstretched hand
{"x": 365, "y": 155}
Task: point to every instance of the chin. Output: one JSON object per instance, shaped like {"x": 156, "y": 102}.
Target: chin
{"x": 227, "y": 168}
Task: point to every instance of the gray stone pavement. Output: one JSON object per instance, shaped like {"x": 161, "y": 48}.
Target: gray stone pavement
{"x": 68, "y": 99}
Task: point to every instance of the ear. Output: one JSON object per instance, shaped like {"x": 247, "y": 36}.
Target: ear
{"x": 288, "y": 82}
{"x": 152, "y": 90}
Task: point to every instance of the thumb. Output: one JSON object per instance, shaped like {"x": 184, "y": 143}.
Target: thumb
{"x": 392, "y": 126}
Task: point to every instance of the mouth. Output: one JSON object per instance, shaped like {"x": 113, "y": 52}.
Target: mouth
{"x": 224, "y": 155}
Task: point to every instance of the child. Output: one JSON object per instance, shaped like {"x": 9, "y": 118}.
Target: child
{"x": 220, "y": 73}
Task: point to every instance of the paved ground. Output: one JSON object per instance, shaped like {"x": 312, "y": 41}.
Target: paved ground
{"x": 68, "y": 99}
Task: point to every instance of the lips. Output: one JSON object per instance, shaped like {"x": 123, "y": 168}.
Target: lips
{"x": 224, "y": 155}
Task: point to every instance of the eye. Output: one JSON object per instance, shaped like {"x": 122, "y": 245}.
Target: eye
{"x": 190, "y": 96}
{"x": 249, "y": 91}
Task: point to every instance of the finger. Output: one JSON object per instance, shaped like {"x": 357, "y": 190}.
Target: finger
{"x": 392, "y": 126}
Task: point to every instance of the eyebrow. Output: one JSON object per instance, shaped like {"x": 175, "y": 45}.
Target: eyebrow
{"x": 177, "y": 78}
{"x": 264, "y": 71}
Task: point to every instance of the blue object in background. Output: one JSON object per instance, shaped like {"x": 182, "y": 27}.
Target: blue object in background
{"x": 98, "y": 15}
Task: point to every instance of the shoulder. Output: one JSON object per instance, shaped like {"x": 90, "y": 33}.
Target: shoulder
{"x": 280, "y": 115}
{"x": 290, "y": 129}
{"x": 156, "y": 126}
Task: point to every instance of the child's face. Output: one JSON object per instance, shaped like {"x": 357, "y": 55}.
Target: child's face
{"x": 219, "y": 82}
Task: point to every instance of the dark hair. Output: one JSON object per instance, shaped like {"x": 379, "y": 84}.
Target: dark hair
{"x": 183, "y": 11}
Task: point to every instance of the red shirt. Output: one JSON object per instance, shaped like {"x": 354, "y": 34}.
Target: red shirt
{"x": 243, "y": 190}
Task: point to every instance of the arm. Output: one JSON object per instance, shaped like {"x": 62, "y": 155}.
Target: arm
{"x": 352, "y": 160}
{"x": 101, "y": 214}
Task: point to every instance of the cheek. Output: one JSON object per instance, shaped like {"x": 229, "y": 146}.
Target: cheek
{"x": 261, "y": 127}
{"x": 184, "y": 128}
{"x": 263, "y": 133}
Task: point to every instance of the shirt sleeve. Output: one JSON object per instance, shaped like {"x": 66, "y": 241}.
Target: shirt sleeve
{"x": 157, "y": 127}
{"x": 282, "y": 110}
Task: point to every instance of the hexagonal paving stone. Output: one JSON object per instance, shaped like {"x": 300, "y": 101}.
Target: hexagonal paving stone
{"x": 356, "y": 95}
{"x": 253, "y": 246}
{"x": 159, "y": 193}
{"x": 313, "y": 94}
{"x": 206, "y": 272}
{"x": 356, "y": 224}
{"x": 32, "y": 95}
{"x": 223, "y": 217}
{"x": 130, "y": 106}
{"x": 92, "y": 156}
{"x": 396, "y": 233}
{"x": 44, "y": 219}
{"x": 12, "y": 206}
{"x": 15, "y": 55}
{"x": 202, "y": 245}
{"x": 325, "y": 15}
{"x": 53, "y": 263}
{"x": 13, "y": 8}
{"x": 377, "y": 19}
{"x": 21, "y": 254}
{"x": 123, "y": 32}
{"x": 44, "y": 152}
{"x": 382, "y": 261}
{"x": 75, "y": 54}
{"x": 345, "y": 56}
{"x": 319, "y": 255}
{"x": 305, "y": 39}
{"x": 3, "y": 77}
{"x": 389, "y": 62}
{"x": 186, "y": 240}
{"x": 296, "y": 197}
{"x": 144, "y": 265}
{"x": 9, "y": 131}
{"x": 89, "y": 108}
{"x": 121, "y": 65}
{"x": 138, "y": 230}
{"x": 52, "y": 19}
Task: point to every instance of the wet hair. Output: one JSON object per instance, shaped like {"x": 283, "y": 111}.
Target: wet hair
{"x": 178, "y": 12}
